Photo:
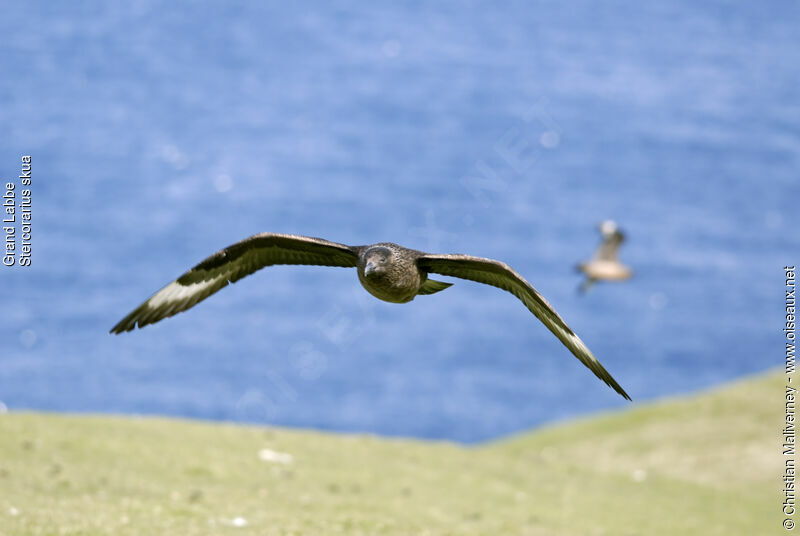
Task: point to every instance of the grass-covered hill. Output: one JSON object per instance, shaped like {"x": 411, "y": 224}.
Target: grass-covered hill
{"x": 705, "y": 465}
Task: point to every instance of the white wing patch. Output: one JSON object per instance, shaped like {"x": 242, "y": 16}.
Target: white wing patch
{"x": 175, "y": 292}
{"x": 232, "y": 264}
{"x": 502, "y": 276}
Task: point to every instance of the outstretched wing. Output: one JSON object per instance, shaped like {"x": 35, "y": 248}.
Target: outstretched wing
{"x": 499, "y": 274}
{"x": 607, "y": 251}
{"x": 230, "y": 265}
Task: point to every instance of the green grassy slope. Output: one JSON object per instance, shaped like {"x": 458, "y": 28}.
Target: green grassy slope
{"x": 704, "y": 465}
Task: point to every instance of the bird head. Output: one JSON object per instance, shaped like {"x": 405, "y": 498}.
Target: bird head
{"x": 608, "y": 228}
{"x": 376, "y": 260}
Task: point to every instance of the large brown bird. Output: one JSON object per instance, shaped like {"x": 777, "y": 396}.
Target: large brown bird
{"x": 389, "y": 272}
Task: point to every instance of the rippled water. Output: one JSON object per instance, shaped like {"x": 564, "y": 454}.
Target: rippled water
{"x": 160, "y": 134}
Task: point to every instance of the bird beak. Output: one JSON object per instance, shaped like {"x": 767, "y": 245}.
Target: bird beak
{"x": 369, "y": 268}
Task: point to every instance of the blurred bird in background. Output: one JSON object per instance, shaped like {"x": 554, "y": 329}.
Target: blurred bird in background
{"x": 605, "y": 266}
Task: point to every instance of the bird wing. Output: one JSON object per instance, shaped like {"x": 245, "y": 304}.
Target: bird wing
{"x": 499, "y": 274}
{"x": 607, "y": 250}
{"x": 231, "y": 264}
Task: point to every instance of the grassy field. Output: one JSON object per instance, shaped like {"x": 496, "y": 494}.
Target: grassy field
{"x": 705, "y": 465}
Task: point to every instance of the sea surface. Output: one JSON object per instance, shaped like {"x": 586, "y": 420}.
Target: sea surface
{"x": 160, "y": 133}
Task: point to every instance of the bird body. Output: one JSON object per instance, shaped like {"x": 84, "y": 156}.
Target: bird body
{"x": 388, "y": 271}
{"x": 605, "y": 270}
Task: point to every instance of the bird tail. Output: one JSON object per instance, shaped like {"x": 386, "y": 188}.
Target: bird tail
{"x": 431, "y": 286}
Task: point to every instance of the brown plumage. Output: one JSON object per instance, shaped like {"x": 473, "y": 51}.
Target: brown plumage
{"x": 387, "y": 271}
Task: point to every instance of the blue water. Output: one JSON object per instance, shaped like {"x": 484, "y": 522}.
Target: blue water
{"x": 162, "y": 132}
